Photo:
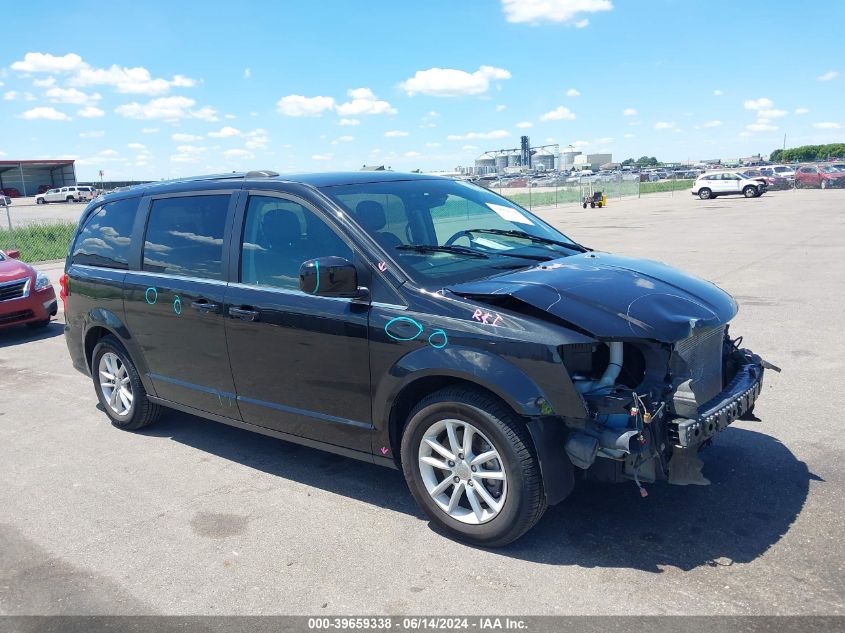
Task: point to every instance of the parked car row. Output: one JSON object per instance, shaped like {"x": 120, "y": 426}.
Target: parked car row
{"x": 82, "y": 193}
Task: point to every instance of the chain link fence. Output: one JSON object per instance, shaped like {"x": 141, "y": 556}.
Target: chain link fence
{"x": 40, "y": 233}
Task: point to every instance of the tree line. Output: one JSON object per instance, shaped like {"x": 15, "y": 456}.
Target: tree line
{"x": 808, "y": 153}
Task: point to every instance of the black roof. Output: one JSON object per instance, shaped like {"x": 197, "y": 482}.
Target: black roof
{"x": 237, "y": 179}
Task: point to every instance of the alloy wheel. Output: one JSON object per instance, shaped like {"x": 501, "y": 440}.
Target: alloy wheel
{"x": 115, "y": 383}
{"x": 462, "y": 471}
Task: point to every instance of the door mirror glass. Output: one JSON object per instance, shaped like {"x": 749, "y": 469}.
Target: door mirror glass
{"x": 329, "y": 277}
{"x": 13, "y": 254}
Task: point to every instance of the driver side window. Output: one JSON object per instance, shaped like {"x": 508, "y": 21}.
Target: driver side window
{"x": 278, "y": 236}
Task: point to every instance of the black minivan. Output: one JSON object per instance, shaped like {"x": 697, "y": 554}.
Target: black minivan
{"x": 413, "y": 321}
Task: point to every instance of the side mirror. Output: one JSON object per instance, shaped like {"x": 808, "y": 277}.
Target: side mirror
{"x": 13, "y": 254}
{"x": 330, "y": 277}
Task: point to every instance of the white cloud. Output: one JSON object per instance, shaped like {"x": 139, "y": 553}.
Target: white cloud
{"x": 772, "y": 113}
{"x": 349, "y": 122}
{"x": 629, "y": 112}
{"x": 136, "y": 80}
{"x": 181, "y": 137}
{"x": 761, "y": 126}
{"x": 256, "y": 139}
{"x": 46, "y": 63}
{"x": 364, "y": 101}
{"x": 72, "y": 95}
{"x": 43, "y": 112}
{"x": 149, "y": 130}
{"x": 432, "y": 144}
{"x": 170, "y": 109}
{"x": 664, "y": 125}
{"x": 560, "y": 113}
{"x": 92, "y": 134}
{"x": 561, "y": 11}
{"x": 411, "y": 154}
{"x": 477, "y": 136}
{"x": 501, "y": 107}
{"x": 629, "y": 135}
{"x": 830, "y": 75}
{"x": 713, "y": 123}
{"x": 10, "y": 95}
{"x": 343, "y": 139}
{"x": 229, "y": 116}
{"x": 188, "y": 154}
{"x": 582, "y": 24}
{"x": 298, "y": 105}
{"x": 759, "y": 104}
{"x": 43, "y": 83}
{"x": 451, "y": 82}
{"x": 801, "y": 110}
{"x": 827, "y": 125}
{"x": 469, "y": 148}
{"x": 395, "y": 133}
{"x": 247, "y": 73}
{"x": 137, "y": 146}
{"x": 238, "y": 154}
{"x": 91, "y": 112}
{"x": 524, "y": 124}
{"x": 322, "y": 156}
{"x": 717, "y": 93}
{"x": 572, "y": 92}
{"x": 227, "y": 131}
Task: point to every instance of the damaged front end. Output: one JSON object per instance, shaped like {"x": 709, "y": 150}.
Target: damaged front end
{"x": 652, "y": 406}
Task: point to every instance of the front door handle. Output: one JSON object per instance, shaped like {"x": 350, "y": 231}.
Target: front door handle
{"x": 204, "y": 305}
{"x": 244, "y": 314}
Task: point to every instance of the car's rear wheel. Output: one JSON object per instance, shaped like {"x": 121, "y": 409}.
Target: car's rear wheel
{"x": 705, "y": 193}
{"x": 70, "y": 199}
{"x": 750, "y": 191}
{"x": 824, "y": 184}
{"x": 470, "y": 465}
{"x": 119, "y": 387}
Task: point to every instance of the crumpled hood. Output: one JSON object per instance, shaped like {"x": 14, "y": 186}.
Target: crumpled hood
{"x": 11, "y": 269}
{"x": 614, "y": 297}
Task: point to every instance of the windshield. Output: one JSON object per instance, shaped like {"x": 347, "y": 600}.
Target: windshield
{"x": 783, "y": 170}
{"x": 830, "y": 170}
{"x": 446, "y": 232}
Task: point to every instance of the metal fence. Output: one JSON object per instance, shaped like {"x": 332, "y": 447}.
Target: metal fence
{"x": 40, "y": 233}
{"x": 557, "y": 191}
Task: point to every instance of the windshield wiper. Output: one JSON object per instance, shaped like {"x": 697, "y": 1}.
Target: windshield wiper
{"x": 533, "y": 238}
{"x": 436, "y": 248}
{"x": 469, "y": 252}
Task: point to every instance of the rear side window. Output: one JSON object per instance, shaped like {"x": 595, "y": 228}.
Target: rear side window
{"x": 185, "y": 236}
{"x": 104, "y": 240}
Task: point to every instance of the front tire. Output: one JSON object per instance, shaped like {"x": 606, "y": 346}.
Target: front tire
{"x": 824, "y": 184}
{"x": 705, "y": 194}
{"x": 750, "y": 192}
{"x": 470, "y": 465}
{"x": 40, "y": 201}
{"x": 119, "y": 388}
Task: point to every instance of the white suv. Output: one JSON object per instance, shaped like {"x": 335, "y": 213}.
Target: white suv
{"x": 727, "y": 183}
{"x": 66, "y": 194}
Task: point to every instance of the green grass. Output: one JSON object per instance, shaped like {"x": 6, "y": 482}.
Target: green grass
{"x": 665, "y": 185}
{"x": 39, "y": 242}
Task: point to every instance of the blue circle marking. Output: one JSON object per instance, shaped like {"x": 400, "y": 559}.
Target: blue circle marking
{"x": 403, "y": 319}
{"x": 177, "y": 305}
{"x": 438, "y": 344}
{"x": 147, "y": 295}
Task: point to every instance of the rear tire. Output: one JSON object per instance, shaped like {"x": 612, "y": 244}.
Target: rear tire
{"x": 824, "y": 184}
{"x": 70, "y": 199}
{"x": 40, "y": 201}
{"x": 487, "y": 511}
{"x": 705, "y": 194}
{"x": 140, "y": 412}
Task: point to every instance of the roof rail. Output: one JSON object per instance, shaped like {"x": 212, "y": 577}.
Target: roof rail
{"x": 261, "y": 173}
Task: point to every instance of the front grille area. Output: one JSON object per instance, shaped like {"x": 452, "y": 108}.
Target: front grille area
{"x": 14, "y": 317}
{"x": 12, "y": 289}
{"x": 697, "y": 369}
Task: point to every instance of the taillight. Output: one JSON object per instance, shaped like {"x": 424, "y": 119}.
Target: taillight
{"x": 63, "y": 292}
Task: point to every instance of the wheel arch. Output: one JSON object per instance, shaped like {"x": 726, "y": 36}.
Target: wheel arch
{"x": 102, "y": 323}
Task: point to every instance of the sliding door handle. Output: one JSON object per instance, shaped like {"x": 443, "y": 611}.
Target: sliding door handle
{"x": 244, "y": 314}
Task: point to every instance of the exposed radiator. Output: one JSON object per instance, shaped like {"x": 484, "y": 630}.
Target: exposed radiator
{"x": 697, "y": 369}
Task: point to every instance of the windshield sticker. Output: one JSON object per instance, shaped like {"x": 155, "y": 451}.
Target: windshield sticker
{"x": 509, "y": 213}
{"x": 487, "y": 318}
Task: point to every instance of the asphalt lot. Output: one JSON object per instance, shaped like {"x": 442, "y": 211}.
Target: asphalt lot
{"x": 193, "y": 517}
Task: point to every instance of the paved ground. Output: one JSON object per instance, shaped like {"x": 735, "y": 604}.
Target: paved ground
{"x": 24, "y": 211}
{"x": 192, "y": 517}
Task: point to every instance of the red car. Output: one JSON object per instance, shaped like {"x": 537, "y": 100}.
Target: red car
{"x": 12, "y": 192}
{"x": 823, "y": 176}
{"x": 26, "y": 295}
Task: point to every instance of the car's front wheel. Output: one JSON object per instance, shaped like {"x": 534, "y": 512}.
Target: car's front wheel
{"x": 40, "y": 201}
{"x": 750, "y": 191}
{"x": 705, "y": 193}
{"x": 824, "y": 184}
{"x": 470, "y": 465}
{"x": 119, "y": 387}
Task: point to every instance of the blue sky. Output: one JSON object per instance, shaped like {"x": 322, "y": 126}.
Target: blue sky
{"x": 149, "y": 90}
